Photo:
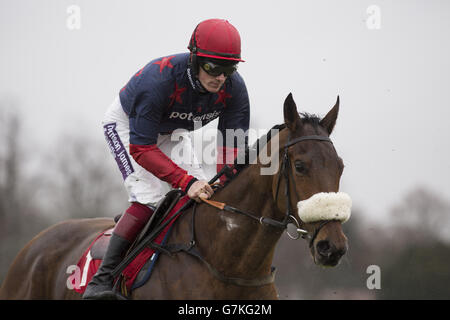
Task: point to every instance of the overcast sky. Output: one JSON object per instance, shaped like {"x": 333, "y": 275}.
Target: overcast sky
{"x": 387, "y": 60}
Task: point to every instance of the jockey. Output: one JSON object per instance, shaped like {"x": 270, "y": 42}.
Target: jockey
{"x": 180, "y": 91}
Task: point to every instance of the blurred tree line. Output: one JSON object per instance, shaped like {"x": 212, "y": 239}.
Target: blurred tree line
{"x": 74, "y": 179}
{"x": 77, "y": 178}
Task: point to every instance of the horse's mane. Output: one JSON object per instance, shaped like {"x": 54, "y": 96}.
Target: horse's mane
{"x": 243, "y": 161}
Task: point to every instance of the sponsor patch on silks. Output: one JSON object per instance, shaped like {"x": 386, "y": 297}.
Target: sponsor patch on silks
{"x": 325, "y": 206}
{"x": 118, "y": 150}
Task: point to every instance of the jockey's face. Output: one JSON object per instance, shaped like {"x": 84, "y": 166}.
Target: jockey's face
{"x": 211, "y": 83}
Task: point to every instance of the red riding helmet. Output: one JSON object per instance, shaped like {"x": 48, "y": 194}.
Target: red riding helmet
{"x": 217, "y": 39}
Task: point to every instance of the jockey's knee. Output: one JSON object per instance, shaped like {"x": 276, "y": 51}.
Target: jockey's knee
{"x": 133, "y": 220}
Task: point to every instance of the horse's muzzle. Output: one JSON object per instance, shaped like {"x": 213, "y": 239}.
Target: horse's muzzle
{"x": 327, "y": 254}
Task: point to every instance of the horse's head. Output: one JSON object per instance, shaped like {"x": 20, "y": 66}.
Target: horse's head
{"x": 310, "y": 172}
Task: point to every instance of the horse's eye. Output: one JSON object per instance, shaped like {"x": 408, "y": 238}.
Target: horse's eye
{"x": 300, "y": 167}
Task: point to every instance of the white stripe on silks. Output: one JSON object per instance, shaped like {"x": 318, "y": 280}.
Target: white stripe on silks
{"x": 325, "y": 206}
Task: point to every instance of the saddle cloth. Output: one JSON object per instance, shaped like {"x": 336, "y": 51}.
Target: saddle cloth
{"x": 137, "y": 272}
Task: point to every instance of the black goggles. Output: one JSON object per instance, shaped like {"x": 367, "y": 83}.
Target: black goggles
{"x": 216, "y": 69}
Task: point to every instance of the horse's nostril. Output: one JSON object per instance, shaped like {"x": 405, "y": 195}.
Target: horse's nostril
{"x": 323, "y": 247}
{"x": 342, "y": 251}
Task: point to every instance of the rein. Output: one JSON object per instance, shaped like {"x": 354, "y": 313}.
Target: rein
{"x": 261, "y": 220}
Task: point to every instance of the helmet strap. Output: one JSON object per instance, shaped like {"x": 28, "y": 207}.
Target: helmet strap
{"x": 192, "y": 72}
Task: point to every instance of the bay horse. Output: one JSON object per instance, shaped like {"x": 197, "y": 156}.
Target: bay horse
{"x": 237, "y": 251}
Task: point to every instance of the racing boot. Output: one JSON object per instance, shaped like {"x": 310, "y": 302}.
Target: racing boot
{"x": 125, "y": 232}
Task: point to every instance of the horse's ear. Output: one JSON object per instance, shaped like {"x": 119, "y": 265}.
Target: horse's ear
{"x": 329, "y": 120}
{"x": 291, "y": 117}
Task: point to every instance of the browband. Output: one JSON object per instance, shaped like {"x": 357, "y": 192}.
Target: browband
{"x": 320, "y": 138}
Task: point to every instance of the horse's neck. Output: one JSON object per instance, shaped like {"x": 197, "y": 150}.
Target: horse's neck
{"x": 238, "y": 244}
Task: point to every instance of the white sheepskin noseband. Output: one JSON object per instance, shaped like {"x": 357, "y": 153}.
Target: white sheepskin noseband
{"x": 325, "y": 206}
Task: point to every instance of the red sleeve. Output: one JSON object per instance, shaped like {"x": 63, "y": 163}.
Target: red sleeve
{"x": 225, "y": 155}
{"x": 151, "y": 158}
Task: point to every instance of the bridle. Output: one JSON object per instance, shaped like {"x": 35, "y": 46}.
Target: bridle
{"x": 288, "y": 174}
{"x": 289, "y": 217}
